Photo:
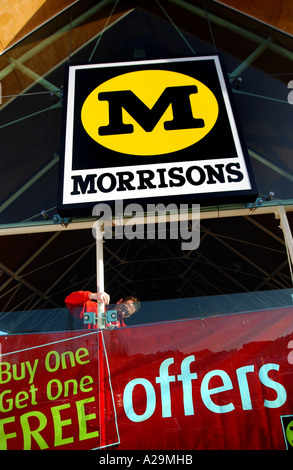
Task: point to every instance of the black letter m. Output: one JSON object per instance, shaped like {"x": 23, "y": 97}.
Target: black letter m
{"x": 148, "y": 118}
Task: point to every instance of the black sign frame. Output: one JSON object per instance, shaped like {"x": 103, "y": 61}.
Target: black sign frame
{"x": 79, "y": 190}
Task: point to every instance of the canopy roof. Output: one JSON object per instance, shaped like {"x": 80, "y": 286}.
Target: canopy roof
{"x": 236, "y": 254}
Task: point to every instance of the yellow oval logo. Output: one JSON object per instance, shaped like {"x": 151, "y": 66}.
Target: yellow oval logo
{"x": 149, "y": 112}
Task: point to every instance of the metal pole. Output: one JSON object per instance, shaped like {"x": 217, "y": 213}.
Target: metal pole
{"x": 99, "y": 229}
{"x": 284, "y": 225}
{"x": 215, "y": 212}
{"x": 247, "y": 62}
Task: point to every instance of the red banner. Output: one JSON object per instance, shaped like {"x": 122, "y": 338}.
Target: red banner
{"x": 218, "y": 383}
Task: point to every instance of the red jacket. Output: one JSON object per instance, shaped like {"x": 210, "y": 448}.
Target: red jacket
{"x": 78, "y": 303}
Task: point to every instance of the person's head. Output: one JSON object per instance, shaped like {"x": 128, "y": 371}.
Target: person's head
{"x": 127, "y": 306}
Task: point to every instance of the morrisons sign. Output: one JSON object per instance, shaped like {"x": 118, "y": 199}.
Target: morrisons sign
{"x": 151, "y": 129}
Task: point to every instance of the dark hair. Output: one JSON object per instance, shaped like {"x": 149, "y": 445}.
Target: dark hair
{"x": 133, "y": 299}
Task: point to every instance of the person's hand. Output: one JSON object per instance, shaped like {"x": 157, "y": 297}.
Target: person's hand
{"x": 100, "y": 297}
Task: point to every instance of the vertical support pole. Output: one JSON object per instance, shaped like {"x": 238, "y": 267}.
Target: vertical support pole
{"x": 284, "y": 225}
{"x": 100, "y": 273}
